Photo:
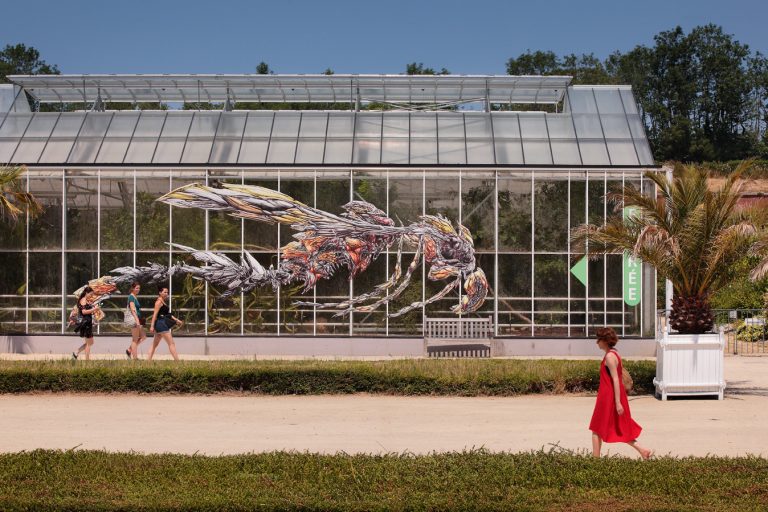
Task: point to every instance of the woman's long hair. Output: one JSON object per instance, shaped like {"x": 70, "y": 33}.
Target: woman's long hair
{"x": 85, "y": 292}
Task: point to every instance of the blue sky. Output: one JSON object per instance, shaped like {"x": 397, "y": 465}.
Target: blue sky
{"x": 471, "y": 37}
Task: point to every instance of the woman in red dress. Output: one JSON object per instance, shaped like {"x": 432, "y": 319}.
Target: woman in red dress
{"x": 611, "y": 421}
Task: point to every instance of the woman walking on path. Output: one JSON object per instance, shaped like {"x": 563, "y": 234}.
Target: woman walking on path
{"x": 85, "y": 327}
{"x": 612, "y": 421}
{"x": 137, "y": 329}
{"x": 162, "y": 322}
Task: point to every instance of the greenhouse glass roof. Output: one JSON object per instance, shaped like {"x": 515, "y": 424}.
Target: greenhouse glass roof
{"x": 294, "y": 88}
{"x": 600, "y": 126}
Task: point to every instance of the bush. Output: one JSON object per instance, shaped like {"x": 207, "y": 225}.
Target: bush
{"x": 751, "y": 332}
{"x": 468, "y": 377}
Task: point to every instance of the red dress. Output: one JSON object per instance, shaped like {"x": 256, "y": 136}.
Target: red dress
{"x": 606, "y": 422}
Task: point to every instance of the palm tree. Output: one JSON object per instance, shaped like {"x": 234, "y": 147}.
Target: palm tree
{"x": 689, "y": 233}
{"x": 14, "y": 200}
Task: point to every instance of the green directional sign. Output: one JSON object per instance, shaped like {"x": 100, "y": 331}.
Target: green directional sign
{"x": 633, "y": 270}
{"x": 579, "y": 270}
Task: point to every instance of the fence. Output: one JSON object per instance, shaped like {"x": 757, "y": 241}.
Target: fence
{"x": 746, "y": 330}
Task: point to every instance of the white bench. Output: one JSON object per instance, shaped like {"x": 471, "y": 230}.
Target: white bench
{"x": 474, "y": 335}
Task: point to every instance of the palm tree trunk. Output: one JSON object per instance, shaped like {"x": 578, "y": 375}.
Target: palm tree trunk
{"x": 691, "y": 314}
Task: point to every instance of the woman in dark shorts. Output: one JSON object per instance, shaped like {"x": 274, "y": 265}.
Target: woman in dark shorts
{"x": 85, "y": 327}
{"x": 162, "y": 321}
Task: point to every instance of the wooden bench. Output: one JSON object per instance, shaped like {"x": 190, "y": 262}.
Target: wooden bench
{"x": 459, "y": 337}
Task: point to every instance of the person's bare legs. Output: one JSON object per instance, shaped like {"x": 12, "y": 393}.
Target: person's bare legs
{"x": 597, "y": 445}
{"x": 155, "y": 343}
{"x": 137, "y": 336}
{"x": 644, "y": 452}
{"x": 88, "y": 343}
{"x": 171, "y": 345}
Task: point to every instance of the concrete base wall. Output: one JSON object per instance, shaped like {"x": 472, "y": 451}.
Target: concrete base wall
{"x": 315, "y": 346}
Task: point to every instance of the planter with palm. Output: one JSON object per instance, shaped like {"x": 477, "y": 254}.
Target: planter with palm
{"x": 691, "y": 234}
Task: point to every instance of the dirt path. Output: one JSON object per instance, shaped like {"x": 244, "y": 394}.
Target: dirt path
{"x": 375, "y": 424}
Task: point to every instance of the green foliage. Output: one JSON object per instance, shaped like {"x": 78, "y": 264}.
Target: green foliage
{"x": 404, "y": 377}
{"x": 752, "y": 332}
{"x": 469, "y": 480}
{"x": 22, "y": 60}
{"x": 741, "y": 292}
{"x": 703, "y": 95}
{"x": 414, "y": 68}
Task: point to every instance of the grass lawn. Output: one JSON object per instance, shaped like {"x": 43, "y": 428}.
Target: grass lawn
{"x": 477, "y": 480}
{"x": 459, "y": 377}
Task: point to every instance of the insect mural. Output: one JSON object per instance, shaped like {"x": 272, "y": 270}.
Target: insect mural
{"x": 325, "y": 243}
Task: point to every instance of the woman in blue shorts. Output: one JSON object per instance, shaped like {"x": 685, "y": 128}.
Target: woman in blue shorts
{"x": 162, "y": 322}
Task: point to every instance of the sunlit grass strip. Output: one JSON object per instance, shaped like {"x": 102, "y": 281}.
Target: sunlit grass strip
{"x": 477, "y": 480}
{"x": 470, "y": 377}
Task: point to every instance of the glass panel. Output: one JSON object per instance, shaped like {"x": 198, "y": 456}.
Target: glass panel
{"x": 537, "y": 151}
{"x": 593, "y": 152}
{"x": 423, "y": 151}
{"x": 7, "y": 147}
{"x": 636, "y": 126}
{"x": 41, "y": 126}
{"x": 286, "y": 124}
{"x": 551, "y": 275}
{"x": 225, "y": 151}
{"x": 117, "y": 211}
{"x": 96, "y": 124}
{"x": 310, "y": 151}
{"x": 338, "y": 151}
{"x": 367, "y": 151}
{"x": 478, "y": 126}
{"x": 608, "y": 101}
{"x": 615, "y": 126}
{"x": 509, "y": 151}
{"x": 204, "y": 124}
{"x": 644, "y": 152}
{"x": 281, "y": 151}
{"x": 82, "y": 213}
{"x": 533, "y": 126}
{"x": 581, "y": 100}
{"x": 368, "y": 125}
{"x": 118, "y": 137}
{"x": 505, "y": 126}
{"x": 259, "y": 125}
{"x": 188, "y": 226}
{"x": 560, "y": 126}
{"x": 46, "y": 278}
{"x": 15, "y": 124}
{"x": 565, "y": 152}
{"x": 152, "y": 217}
{"x": 188, "y": 295}
{"x": 628, "y": 100}
{"x": 452, "y": 151}
{"x": 394, "y": 151}
{"x": 28, "y": 151}
{"x": 341, "y": 125}
{"x": 232, "y": 124}
{"x": 81, "y": 267}
{"x": 478, "y": 196}
{"x": 173, "y": 137}
{"x": 450, "y": 125}
{"x": 224, "y": 230}
{"x": 514, "y": 213}
{"x": 260, "y": 305}
{"x": 588, "y": 126}
{"x": 57, "y": 151}
{"x": 396, "y": 125}
{"x": 551, "y": 215}
{"x": 480, "y": 152}
{"x": 423, "y": 125}
{"x": 261, "y": 237}
{"x": 622, "y": 152}
{"x": 143, "y": 145}
{"x": 253, "y": 151}
{"x": 45, "y": 230}
{"x": 197, "y": 151}
{"x": 313, "y": 124}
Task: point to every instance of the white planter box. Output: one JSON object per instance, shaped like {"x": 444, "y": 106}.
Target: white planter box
{"x": 690, "y": 364}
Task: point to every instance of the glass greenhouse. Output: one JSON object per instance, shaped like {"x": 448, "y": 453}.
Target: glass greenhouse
{"x": 518, "y": 160}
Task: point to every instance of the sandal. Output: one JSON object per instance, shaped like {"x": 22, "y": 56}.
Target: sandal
{"x": 74, "y": 356}
{"x": 128, "y": 352}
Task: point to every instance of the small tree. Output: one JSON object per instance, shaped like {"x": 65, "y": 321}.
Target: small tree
{"x": 689, "y": 233}
{"x": 14, "y": 200}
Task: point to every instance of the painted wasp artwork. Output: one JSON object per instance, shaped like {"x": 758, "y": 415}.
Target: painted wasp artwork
{"x": 324, "y": 244}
